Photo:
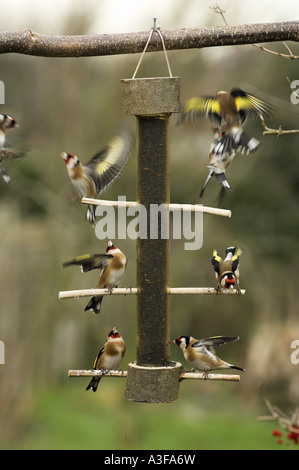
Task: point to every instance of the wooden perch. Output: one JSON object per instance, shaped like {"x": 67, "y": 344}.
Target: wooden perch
{"x": 31, "y": 43}
{"x": 74, "y": 294}
{"x": 123, "y": 373}
{"x": 184, "y": 207}
{"x": 279, "y": 132}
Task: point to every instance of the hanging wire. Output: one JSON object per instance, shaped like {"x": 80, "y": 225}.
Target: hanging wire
{"x": 154, "y": 29}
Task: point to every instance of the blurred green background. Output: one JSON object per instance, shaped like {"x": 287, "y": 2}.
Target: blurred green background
{"x": 74, "y": 105}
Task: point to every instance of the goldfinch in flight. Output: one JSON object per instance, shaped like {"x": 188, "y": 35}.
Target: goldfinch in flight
{"x": 228, "y": 113}
{"x": 109, "y": 357}
{"x": 98, "y": 174}
{"x": 112, "y": 265}
{"x": 6, "y": 122}
{"x": 200, "y": 354}
{"x": 227, "y": 270}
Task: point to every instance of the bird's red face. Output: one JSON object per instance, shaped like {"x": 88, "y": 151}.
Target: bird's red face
{"x": 229, "y": 281}
{"x": 113, "y": 334}
{"x": 70, "y": 159}
{"x": 110, "y": 247}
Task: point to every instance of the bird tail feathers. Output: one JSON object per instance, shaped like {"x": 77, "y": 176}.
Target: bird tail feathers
{"x": 235, "y": 141}
{"x": 93, "y": 384}
{"x": 94, "y": 304}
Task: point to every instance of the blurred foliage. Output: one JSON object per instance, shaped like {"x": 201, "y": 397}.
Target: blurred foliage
{"x": 74, "y": 105}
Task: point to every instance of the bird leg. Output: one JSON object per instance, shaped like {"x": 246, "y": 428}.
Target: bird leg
{"x": 205, "y": 375}
{"x": 218, "y": 289}
{"x": 110, "y": 289}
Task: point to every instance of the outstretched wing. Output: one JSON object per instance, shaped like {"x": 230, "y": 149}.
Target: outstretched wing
{"x": 250, "y": 105}
{"x": 107, "y": 165}
{"x": 89, "y": 262}
{"x": 198, "y": 107}
{"x": 213, "y": 341}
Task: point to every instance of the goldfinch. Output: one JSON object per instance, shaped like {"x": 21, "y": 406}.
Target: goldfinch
{"x": 6, "y": 122}
{"x": 109, "y": 357}
{"x": 112, "y": 265}
{"x": 200, "y": 354}
{"x": 228, "y": 112}
{"x": 227, "y": 270}
{"x": 217, "y": 166}
{"x": 98, "y": 174}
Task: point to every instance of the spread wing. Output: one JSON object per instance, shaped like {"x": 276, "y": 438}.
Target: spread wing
{"x": 198, "y": 107}
{"x": 213, "y": 341}
{"x": 89, "y": 262}
{"x": 250, "y": 105}
{"x": 216, "y": 260}
{"x": 107, "y": 165}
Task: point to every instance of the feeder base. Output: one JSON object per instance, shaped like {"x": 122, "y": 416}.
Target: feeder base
{"x": 153, "y": 384}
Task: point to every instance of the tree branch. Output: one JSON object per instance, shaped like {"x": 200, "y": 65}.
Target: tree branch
{"x": 30, "y": 43}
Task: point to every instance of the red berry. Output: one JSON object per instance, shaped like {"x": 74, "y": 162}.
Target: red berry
{"x": 276, "y": 433}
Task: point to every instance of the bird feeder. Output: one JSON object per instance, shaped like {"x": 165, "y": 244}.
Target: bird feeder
{"x": 152, "y": 100}
{"x": 153, "y": 377}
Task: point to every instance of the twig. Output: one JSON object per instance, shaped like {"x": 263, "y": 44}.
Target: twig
{"x": 291, "y": 56}
{"x": 279, "y": 132}
{"x": 124, "y": 373}
{"x": 184, "y": 207}
{"x": 74, "y": 294}
{"x": 280, "y": 54}
{"x": 289, "y": 423}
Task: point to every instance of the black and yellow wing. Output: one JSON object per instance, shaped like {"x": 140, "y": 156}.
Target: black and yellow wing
{"x": 249, "y": 105}
{"x": 197, "y": 108}
{"x": 107, "y": 165}
{"x": 236, "y": 258}
{"x": 89, "y": 262}
{"x": 213, "y": 341}
{"x": 216, "y": 260}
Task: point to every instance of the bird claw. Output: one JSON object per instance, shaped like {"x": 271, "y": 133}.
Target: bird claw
{"x": 205, "y": 375}
{"x": 109, "y": 288}
{"x": 218, "y": 289}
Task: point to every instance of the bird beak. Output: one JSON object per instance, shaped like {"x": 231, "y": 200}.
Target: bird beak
{"x": 63, "y": 155}
{"x": 16, "y": 126}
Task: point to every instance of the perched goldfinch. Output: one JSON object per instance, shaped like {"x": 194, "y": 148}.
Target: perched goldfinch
{"x": 109, "y": 357}
{"x": 6, "y": 122}
{"x": 98, "y": 174}
{"x": 227, "y": 270}
{"x": 200, "y": 354}
{"x": 112, "y": 265}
